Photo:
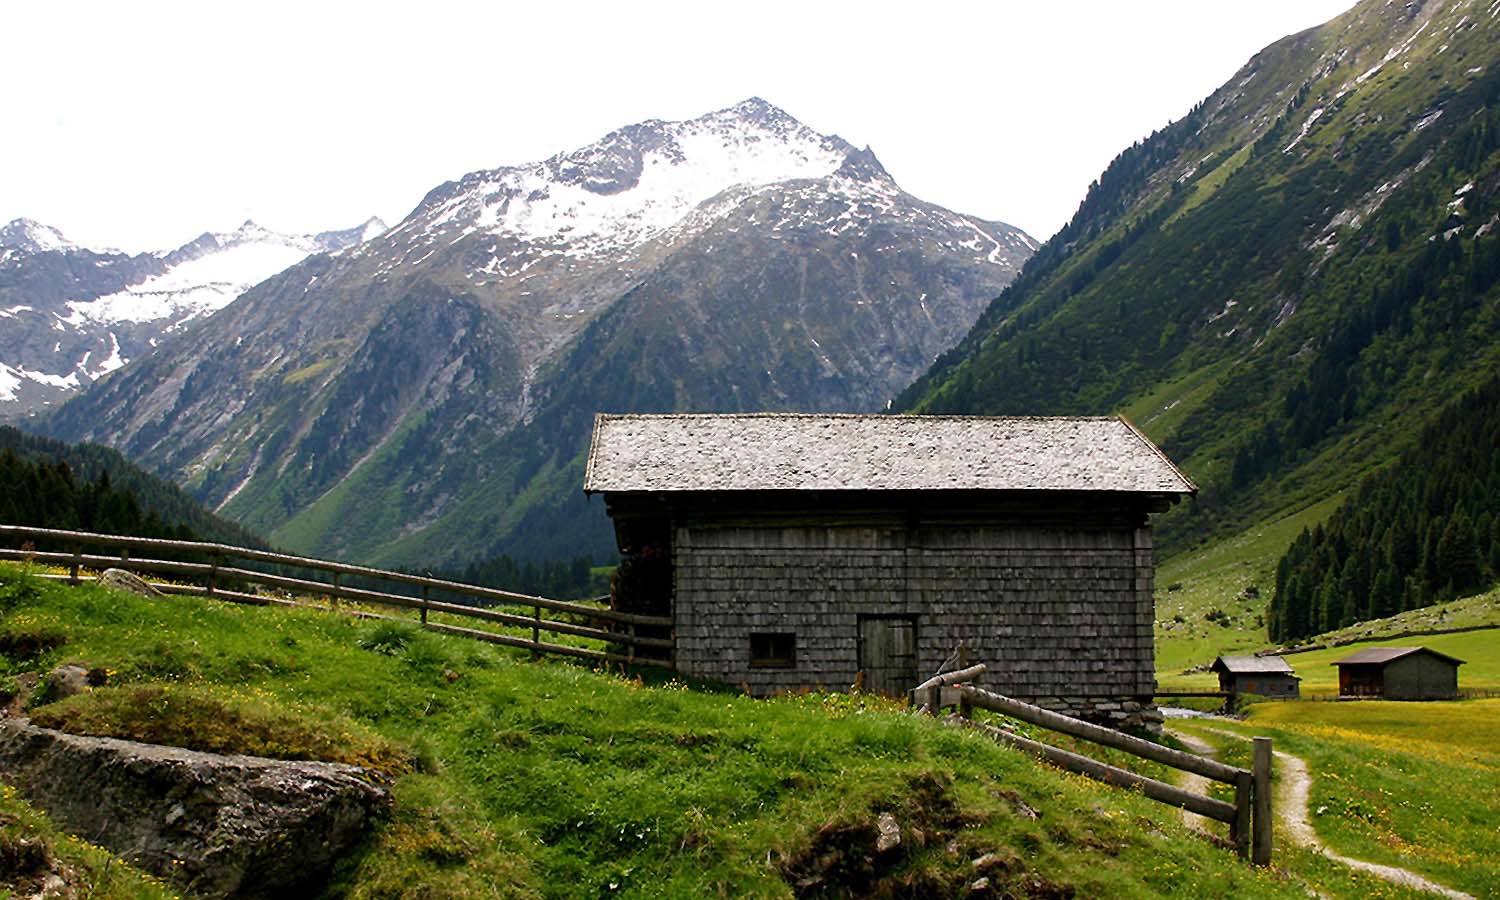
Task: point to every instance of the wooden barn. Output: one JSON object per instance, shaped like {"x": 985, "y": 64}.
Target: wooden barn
{"x": 1399, "y": 673}
{"x": 1268, "y": 676}
{"x": 824, "y": 551}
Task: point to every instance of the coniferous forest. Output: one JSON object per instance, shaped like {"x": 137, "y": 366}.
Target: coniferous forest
{"x": 47, "y": 494}
{"x": 52, "y": 484}
{"x": 1419, "y": 532}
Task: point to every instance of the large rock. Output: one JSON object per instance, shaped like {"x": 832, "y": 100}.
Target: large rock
{"x": 219, "y": 826}
{"x": 121, "y": 580}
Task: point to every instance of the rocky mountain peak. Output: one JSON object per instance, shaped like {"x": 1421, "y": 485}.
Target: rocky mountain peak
{"x": 861, "y": 165}
{"x": 333, "y": 241}
{"x": 634, "y": 183}
{"x": 32, "y": 237}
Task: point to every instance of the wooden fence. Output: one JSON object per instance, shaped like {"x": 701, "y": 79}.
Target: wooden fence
{"x": 1230, "y": 698}
{"x": 1248, "y": 816}
{"x": 610, "y": 626}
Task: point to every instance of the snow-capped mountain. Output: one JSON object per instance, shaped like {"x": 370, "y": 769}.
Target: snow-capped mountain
{"x": 428, "y": 393}
{"x": 72, "y": 315}
{"x": 27, "y": 236}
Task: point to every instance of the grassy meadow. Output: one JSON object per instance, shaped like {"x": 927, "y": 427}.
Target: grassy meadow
{"x": 1415, "y": 785}
{"x": 515, "y": 778}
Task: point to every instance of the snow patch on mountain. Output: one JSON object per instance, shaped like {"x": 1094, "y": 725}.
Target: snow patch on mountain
{"x": 56, "y": 346}
{"x": 201, "y": 285}
{"x": 636, "y": 182}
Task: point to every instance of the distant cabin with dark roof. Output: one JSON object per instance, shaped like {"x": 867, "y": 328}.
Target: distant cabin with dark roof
{"x": 1399, "y": 673}
{"x": 825, "y": 551}
{"x": 1268, "y": 676}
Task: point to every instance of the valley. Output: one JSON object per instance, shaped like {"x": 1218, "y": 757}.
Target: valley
{"x": 1290, "y": 295}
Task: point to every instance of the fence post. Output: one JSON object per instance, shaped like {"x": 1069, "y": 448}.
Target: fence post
{"x": 630, "y": 654}
{"x": 536, "y": 632}
{"x": 424, "y": 603}
{"x": 965, "y": 708}
{"x": 213, "y": 574}
{"x": 77, "y": 562}
{"x": 333, "y": 598}
{"x": 1239, "y": 829}
{"x": 1262, "y": 818}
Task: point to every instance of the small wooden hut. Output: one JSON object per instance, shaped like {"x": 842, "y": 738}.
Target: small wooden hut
{"x": 1399, "y": 673}
{"x": 1268, "y": 676}
{"x": 824, "y": 551}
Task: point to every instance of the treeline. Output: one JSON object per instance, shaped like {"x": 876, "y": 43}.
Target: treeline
{"x": 559, "y": 579}
{"x": 562, "y": 579}
{"x": 47, "y": 494}
{"x": 1423, "y": 531}
{"x": 89, "y": 464}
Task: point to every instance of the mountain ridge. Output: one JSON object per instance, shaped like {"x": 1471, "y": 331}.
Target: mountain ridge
{"x": 427, "y": 393}
{"x": 1276, "y": 285}
{"x": 75, "y": 314}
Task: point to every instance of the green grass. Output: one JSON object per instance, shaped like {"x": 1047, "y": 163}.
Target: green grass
{"x": 207, "y": 720}
{"x": 1480, "y": 650}
{"x": 1159, "y": 412}
{"x": 1191, "y": 585}
{"x": 1415, "y": 785}
{"x": 1465, "y": 612}
{"x": 307, "y": 373}
{"x": 1206, "y": 186}
{"x": 552, "y": 780}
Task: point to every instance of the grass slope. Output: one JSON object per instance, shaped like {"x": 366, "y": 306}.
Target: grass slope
{"x": 1234, "y": 576}
{"x": 550, "y": 780}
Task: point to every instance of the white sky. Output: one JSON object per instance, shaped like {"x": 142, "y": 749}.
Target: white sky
{"x": 140, "y": 125}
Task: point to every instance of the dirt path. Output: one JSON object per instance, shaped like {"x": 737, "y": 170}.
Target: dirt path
{"x": 1195, "y": 783}
{"x": 1294, "y": 783}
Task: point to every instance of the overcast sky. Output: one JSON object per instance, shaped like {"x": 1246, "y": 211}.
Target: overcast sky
{"x": 141, "y": 125}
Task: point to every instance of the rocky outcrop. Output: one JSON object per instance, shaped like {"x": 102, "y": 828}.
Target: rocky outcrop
{"x": 218, "y": 826}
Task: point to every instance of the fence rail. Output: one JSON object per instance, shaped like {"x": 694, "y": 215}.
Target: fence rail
{"x": 1247, "y": 822}
{"x": 607, "y": 625}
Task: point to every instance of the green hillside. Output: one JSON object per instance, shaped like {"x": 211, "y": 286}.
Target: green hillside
{"x": 1284, "y": 286}
{"x": 1419, "y": 532}
{"x": 549, "y": 780}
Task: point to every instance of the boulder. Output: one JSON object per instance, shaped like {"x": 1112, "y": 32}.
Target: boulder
{"x": 121, "y": 580}
{"x": 66, "y": 680}
{"x": 216, "y": 826}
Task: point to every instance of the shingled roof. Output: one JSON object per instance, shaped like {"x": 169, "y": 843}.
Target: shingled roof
{"x": 1252, "y": 665}
{"x": 1383, "y": 655}
{"x": 799, "y": 452}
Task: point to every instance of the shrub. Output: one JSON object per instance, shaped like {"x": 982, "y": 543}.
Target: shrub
{"x": 390, "y": 638}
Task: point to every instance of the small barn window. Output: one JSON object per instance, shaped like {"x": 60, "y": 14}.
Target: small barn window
{"x": 773, "y": 650}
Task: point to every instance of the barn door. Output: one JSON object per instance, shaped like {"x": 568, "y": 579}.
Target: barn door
{"x": 888, "y": 654}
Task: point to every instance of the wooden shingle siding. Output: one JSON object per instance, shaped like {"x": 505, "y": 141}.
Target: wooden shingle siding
{"x": 1063, "y": 616}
